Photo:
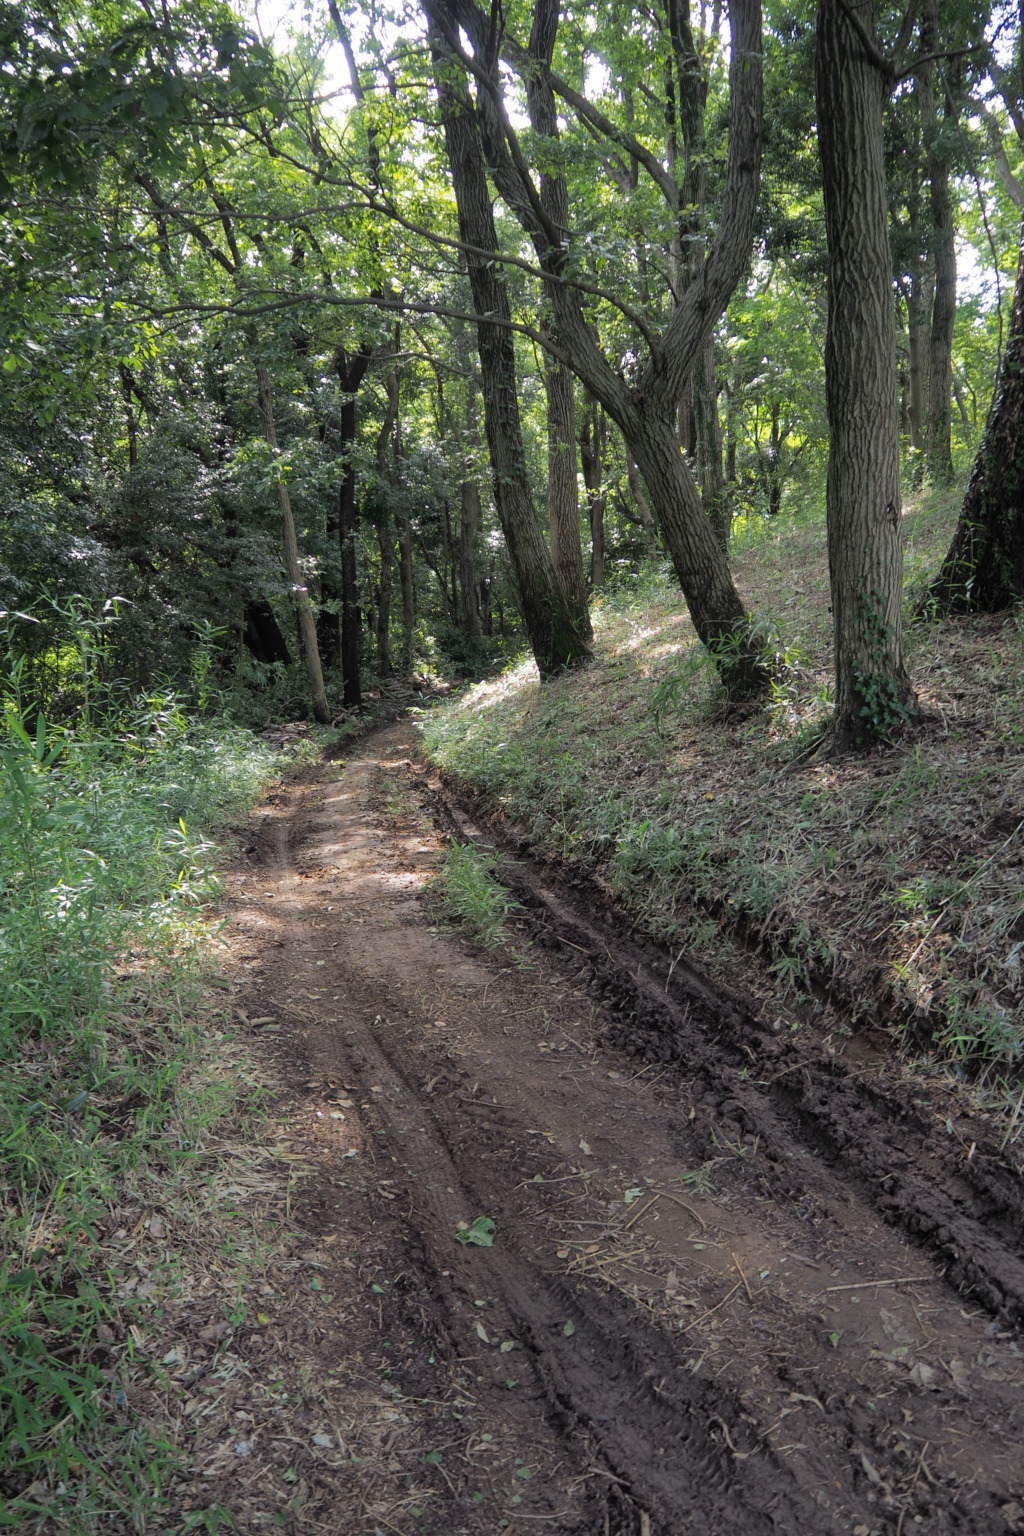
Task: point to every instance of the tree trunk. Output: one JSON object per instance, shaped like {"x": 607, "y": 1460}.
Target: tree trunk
{"x": 300, "y": 596}
{"x": 709, "y": 444}
{"x": 469, "y": 521}
{"x": 262, "y": 633}
{"x": 873, "y": 691}
{"x": 918, "y": 326}
{"x": 642, "y": 504}
{"x": 715, "y": 607}
{"x": 939, "y": 420}
{"x": 350, "y": 375}
{"x": 984, "y": 568}
{"x": 592, "y": 440}
{"x": 385, "y": 544}
{"x": 550, "y": 622}
{"x": 563, "y": 492}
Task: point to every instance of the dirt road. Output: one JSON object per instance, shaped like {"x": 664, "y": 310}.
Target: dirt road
{"x": 736, "y": 1284}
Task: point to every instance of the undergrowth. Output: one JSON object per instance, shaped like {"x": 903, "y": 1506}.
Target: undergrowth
{"x": 108, "y": 1085}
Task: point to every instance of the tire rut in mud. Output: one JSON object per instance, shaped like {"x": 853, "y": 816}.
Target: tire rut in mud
{"x": 679, "y": 1428}
{"x": 960, "y": 1202}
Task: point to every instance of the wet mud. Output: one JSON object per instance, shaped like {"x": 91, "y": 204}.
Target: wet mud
{"x": 737, "y": 1283}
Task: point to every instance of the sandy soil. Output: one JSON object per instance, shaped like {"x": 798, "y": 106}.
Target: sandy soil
{"x": 737, "y": 1284}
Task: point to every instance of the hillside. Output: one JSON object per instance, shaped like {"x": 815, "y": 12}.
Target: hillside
{"x": 872, "y": 897}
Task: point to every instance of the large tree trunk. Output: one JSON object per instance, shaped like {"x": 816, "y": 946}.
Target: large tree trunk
{"x": 300, "y": 596}
{"x": 984, "y": 569}
{"x": 550, "y": 622}
{"x": 873, "y": 691}
{"x": 563, "y": 492}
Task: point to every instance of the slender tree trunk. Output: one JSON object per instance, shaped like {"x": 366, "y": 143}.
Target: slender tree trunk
{"x": 385, "y": 544}
{"x": 469, "y": 527}
{"x": 873, "y": 690}
{"x": 554, "y": 633}
{"x": 939, "y": 419}
{"x": 351, "y": 372}
{"x": 451, "y": 559}
{"x": 130, "y": 416}
{"x": 592, "y": 440}
{"x": 984, "y": 568}
{"x": 643, "y": 506}
{"x": 300, "y": 596}
{"x": 563, "y": 492}
{"x": 709, "y": 444}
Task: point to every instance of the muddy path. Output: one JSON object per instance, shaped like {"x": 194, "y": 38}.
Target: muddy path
{"x": 736, "y": 1285}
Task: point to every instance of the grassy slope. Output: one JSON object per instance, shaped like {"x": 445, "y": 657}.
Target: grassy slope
{"x": 884, "y": 888}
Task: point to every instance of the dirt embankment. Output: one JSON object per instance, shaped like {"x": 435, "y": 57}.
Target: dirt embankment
{"x": 736, "y": 1285}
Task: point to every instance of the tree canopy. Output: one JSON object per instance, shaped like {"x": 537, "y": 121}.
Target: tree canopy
{"x": 473, "y": 308}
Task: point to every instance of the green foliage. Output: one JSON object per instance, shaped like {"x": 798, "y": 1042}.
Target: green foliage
{"x": 103, "y": 876}
{"x": 881, "y": 710}
{"x": 468, "y": 893}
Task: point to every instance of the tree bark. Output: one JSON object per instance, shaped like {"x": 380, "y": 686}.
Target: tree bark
{"x": 939, "y": 418}
{"x": 592, "y": 440}
{"x": 300, "y": 596}
{"x": 470, "y": 520}
{"x": 563, "y": 492}
{"x": 709, "y": 445}
{"x": 547, "y": 614}
{"x": 351, "y": 372}
{"x": 874, "y": 695}
{"x": 984, "y": 568}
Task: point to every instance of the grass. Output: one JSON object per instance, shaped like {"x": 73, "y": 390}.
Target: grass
{"x": 465, "y": 891}
{"x": 115, "y": 1076}
{"x": 885, "y": 888}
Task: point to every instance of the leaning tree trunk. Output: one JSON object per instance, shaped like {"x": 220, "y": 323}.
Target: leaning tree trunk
{"x": 873, "y": 690}
{"x": 984, "y": 569}
{"x": 716, "y": 610}
{"x": 550, "y": 621}
{"x": 300, "y": 595}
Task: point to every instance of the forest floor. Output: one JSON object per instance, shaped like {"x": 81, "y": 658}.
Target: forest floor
{"x": 738, "y": 1282}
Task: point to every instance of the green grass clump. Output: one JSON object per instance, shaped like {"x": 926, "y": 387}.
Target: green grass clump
{"x": 467, "y": 893}
{"x": 105, "y": 875}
